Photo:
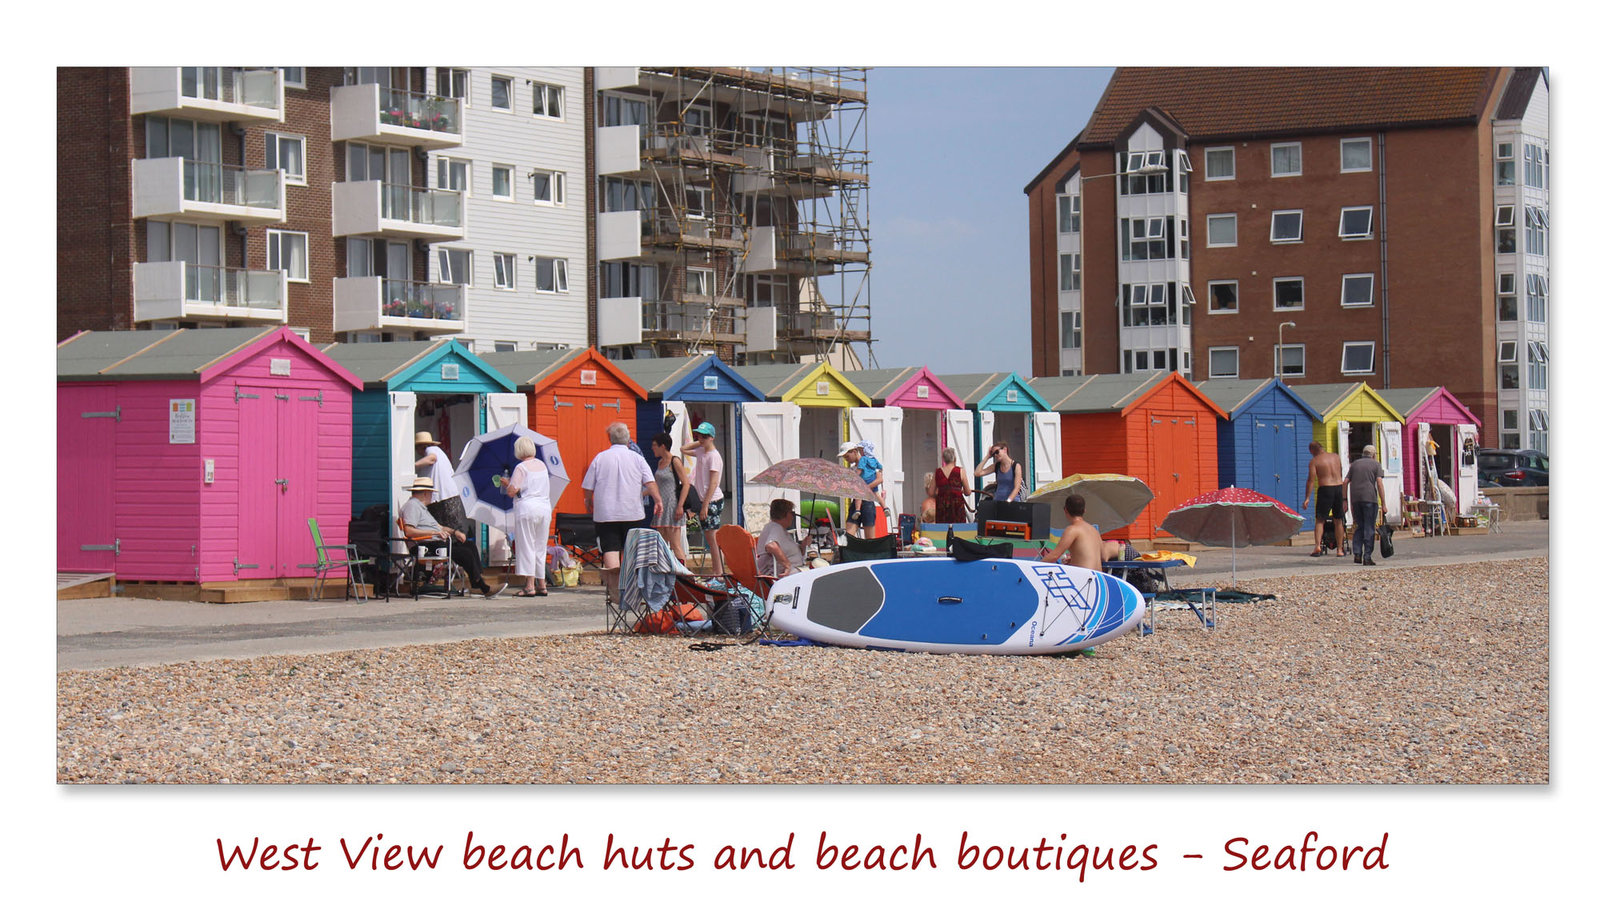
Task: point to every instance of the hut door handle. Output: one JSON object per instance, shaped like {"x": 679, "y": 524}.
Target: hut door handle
{"x": 283, "y": 483}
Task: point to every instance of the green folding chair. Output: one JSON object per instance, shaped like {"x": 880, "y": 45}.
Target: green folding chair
{"x": 351, "y": 564}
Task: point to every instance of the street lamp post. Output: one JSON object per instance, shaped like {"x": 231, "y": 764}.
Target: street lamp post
{"x": 1277, "y": 360}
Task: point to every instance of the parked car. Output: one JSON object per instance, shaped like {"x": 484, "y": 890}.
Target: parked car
{"x": 1513, "y": 468}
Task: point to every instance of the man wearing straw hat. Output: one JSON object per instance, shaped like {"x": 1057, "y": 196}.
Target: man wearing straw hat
{"x": 420, "y": 526}
{"x": 435, "y": 464}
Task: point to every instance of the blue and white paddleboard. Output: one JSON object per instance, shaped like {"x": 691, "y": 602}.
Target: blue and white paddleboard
{"x": 942, "y": 605}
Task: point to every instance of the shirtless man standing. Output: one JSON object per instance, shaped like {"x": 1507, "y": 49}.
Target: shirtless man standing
{"x": 1328, "y": 479}
{"x": 1079, "y": 538}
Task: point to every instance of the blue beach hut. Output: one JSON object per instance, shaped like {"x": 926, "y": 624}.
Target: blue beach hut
{"x": 1261, "y": 444}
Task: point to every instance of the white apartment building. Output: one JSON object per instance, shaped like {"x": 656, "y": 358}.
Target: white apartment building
{"x": 1522, "y": 262}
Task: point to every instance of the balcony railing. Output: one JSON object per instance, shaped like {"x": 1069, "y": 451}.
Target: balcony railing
{"x": 681, "y": 317}
{"x": 421, "y": 301}
{"x": 242, "y": 94}
{"x": 180, "y": 187}
{"x": 216, "y": 184}
{"x": 173, "y": 290}
{"x": 418, "y": 205}
{"x": 243, "y": 86}
{"x": 249, "y": 288}
{"x": 406, "y": 109}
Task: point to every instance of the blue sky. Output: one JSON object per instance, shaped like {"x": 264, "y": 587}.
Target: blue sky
{"x": 951, "y": 149}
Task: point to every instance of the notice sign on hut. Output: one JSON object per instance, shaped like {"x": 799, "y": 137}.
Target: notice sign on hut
{"x": 180, "y": 422}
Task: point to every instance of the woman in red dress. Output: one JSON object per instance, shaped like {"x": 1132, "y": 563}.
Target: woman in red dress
{"x": 950, "y": 489}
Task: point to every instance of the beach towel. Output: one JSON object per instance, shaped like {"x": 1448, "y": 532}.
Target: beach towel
{"x": 648, "y": 570}
{"x": 1188, "y": 559}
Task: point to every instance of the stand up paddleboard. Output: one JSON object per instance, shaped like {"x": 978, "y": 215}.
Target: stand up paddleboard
{"x": 947, "y": 606}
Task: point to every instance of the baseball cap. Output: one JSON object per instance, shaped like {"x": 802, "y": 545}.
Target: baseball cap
{"x": 847, "y": 447}
{"x": 706, "y": 429}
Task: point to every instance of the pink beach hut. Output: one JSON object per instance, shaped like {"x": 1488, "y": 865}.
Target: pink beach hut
{"x": 197, "y": 455}
{"x": 912, "y": 403}
{"x": 1435, "y": 413}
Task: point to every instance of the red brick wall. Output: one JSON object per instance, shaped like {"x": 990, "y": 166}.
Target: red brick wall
{"x": 94, "y": 194}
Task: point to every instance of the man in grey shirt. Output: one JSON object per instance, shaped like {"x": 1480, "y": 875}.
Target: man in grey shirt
{"x": 1365, "y": 499}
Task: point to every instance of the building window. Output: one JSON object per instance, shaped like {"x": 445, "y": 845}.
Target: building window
{"x": 546, "y": 100}
{"x": 1533, "y": 165}
{"x": 502, "y": 181}
{"x": 617, "y": 110}
{"x": 1286, "y": 226}
{"x": 288, "y": 250}
{"x": 1224, "y": 362}
{"x": 549, "y": 274}
{"x": 1536, "y": 298}
{"x": 1071, "y": 271}
{"x": 1148, "y": 305}
{"x": 700, "y": 282}
{"x": 1355, "y": 155}
{"x": 1224, "y": 297}
{"x": 1505, "y": 228}
{"x": 1505, "y": 164}
{"x": 1219, "y": 163}
{"x": 1358, "y": 358}
{"x": 500, "y": 93}
{"x": 1069, "y": 213}
{"x": 1356, "y": 291}
{"x": 287, "y": 152}
{"x": 549, "y": 187}
{"x": 454, "y": 174}
{"x": 1510, "y": 372}
{"x": 1288, "y": 294}
{"x": 1222, "y": 230}
{"x": 294, "y": 77}
{"x": 1286, "y": 159}
{"x": 1508, "y": 296}
{"x": 1291, "y": 360}
{"x": 1355, "y": 223}
{"x": 453, "y": 83}
{"x": 697, "y": 202}
{"x": 455, "y": 266}
{"x": 1535, "y": 229}
{"x": 1072, "y": 329}
{"x": 503, "y": 346}
{"x": 1538, "y": 366}
{"x": 1147, "y": 184}
{"x": 505, "y": 271}
{"x": 1538, "y": 426}
{"x": 1145, "y": 238}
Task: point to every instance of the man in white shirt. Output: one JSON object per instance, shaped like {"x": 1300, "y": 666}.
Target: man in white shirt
{"x": 612, "y": 493}
{"x": 435, "y": 464}
{"x": 777, "y": 552}
{"x": 707, "y": 480}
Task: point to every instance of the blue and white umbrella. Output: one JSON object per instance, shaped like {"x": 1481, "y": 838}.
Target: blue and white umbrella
{"x": 486, "y": 468}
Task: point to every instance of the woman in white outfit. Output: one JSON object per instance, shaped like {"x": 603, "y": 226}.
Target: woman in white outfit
{"x": 530, "y": 489}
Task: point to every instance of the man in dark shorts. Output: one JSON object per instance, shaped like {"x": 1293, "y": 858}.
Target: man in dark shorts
{"x": 1327, "y": 478}
{"x": 613, "y": 491}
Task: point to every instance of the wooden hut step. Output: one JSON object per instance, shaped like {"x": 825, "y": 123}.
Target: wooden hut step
{"x": 84, "y": 586}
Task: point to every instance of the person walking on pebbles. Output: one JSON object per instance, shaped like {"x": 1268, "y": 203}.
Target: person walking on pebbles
{"x": 529, "y": 490}
{"x": 1362, "y": 489}
{"x": 1327, "y": 479}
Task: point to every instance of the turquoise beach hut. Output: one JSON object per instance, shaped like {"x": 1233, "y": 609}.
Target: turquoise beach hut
{"x": 1002, "y": 407}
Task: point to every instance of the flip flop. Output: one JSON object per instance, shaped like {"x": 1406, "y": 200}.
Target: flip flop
{"x": 542, "y": 592}
{"x": 1317, "y": 552}
{"x": 526, "y": 595}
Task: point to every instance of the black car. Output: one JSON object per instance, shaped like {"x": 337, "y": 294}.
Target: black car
{"x": 1513, "y": 468}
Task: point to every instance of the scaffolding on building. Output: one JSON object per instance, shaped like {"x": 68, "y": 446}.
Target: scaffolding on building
{"x": 751, "y": 187}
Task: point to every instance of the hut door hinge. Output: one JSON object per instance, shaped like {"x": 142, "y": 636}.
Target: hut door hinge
{"x": 317, "y": 398}
{"x": 239, "y": 395}
{"x": 115, "y": 547}
{"x": 559, "y": 404}
{"x": 237, "y": 566}
{"x": 115, "y": 414}
{"x": 615, "y": 406}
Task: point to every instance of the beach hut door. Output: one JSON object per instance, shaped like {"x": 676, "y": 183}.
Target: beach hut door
{"x": 958, "y": 435}
{"x": 985, "y": 439}
{"x": 1466, "y": 467}
{"x": 1389, "y": 436}
{"x": 1344, "y": 461}
{"x": 1046, "y": 449}
{"x": 881, "y": 427}
{"x": 771, "y": 434}
{"x": 680, "y": 428}
{"x": 402, "y": 452}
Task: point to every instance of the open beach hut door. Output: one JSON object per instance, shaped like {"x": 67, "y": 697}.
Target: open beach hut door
{"x": 881, "y": 427}
{"x": 1466, "y": 443}
{"x": 771, "y": 434}
{"x": 985, "y": 440}
{"x": 681, "y": 429}
{"x": 1344, "y": 462}
{"x": 1424, "y": 488}
{"x": 502, "y": 410}
{"x": 958, "y": 435}
{"x": 402, "y": 451}
{"x": 1046, "y": 450}
{"x": 1389, "y": 445}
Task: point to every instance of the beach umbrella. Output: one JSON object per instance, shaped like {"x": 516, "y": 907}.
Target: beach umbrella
{"x": 1110, "y": 500}
{"x": 1233, "y": 518}
{"x": 815, "y": 475}
{"x": 486, "y": 467}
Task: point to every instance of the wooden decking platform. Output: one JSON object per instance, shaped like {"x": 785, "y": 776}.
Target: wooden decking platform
{"x": 84, "y": 586}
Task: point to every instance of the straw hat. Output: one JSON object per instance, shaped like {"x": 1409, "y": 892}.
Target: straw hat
{"x": 421, "y": 484}
{"x": 426, "y": 438}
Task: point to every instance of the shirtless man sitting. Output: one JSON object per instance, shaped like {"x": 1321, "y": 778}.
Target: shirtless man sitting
{"x": 1080, "y": 542}
{"x": 1328, "y": 479}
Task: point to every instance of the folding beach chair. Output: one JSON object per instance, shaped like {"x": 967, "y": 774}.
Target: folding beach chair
{"x": 866, "y": 549}
{"x": 577, "y": 534}
{"x": 348, "y": 559}
{"x": 430, "y": 569}
{"x": 657, "y": 593}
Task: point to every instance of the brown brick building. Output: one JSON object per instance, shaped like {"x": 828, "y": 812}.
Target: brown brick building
{"x": 1203, "y": 210}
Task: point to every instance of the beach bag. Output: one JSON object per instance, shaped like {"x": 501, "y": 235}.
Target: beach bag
{"x": 567, "y": 577}
{"x": 666, "y": 620}
{"x": 691, "y": 503}
{"x": 732, "y": 616}
{"x": 1386, "y": 540}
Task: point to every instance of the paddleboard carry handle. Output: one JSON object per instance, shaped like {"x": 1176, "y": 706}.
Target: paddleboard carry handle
{"x": 949, "y": 600}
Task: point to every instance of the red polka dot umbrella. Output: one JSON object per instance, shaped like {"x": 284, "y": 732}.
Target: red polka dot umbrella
{"x": 1233, "y": 518}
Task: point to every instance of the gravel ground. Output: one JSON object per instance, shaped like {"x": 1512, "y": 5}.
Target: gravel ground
{"x": 1383, "y": 675}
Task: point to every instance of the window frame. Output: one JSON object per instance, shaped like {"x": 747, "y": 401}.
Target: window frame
{"x": 542, "y": 93}
{"x": 447, "y": 274}
{"x": 1344, "y": 214}
{"x": 440, "y": 87}
{"x": 1276, "y": 306}
{"x": 511, "y": 93}
{"x": 705, "y": 285}
{"x": 1538, "y": 366}
{"x": 1346, "y": 142}
{"x": 272, "y": 145}
{"x": 1283, "y": 366}
{"x": 1372, "y": 290}
{"x": 1069, "y": 268}
{"x": 511, "y": 182}
{"x": 1073, "y": 210}
{"x": 288, "y": 82}
{"x": 1372, "y": 358}
{"x": 447, "y": 163}
{"x": 1272, "y": 159}
{"x": 1538, "y": 292}
{"x": 505, "y": 271}
{"x": 558, "y": 188}
{"x": 1299, "y": 228}
{"x": 558, "y": 275}
{"x": 1211, "y": 361}
{"x": 1233, "y": 218}
{"x": 1233, "y": 164}
{"x": 1505, "y": 163}
{"x": 275, "y": 253}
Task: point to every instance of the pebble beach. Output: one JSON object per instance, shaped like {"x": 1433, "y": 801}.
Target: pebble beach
{"x": 1367, "y": 676}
